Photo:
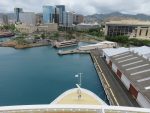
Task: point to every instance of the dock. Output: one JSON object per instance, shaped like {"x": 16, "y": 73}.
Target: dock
{"x": 116, "y": 92}
{"x": 74, "y": 51}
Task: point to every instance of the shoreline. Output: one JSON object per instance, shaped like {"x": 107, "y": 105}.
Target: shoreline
{"x": 15, "y": 45}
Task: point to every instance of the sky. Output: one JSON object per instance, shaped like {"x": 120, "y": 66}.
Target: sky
{"x": 85, "y": 7}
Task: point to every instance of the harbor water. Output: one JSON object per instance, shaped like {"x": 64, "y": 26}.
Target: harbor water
{"x": 38, "y": 75}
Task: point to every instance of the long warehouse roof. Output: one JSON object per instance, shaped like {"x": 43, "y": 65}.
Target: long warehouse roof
{"x": 136, "y": 69}
{"x": 134, "y": 63}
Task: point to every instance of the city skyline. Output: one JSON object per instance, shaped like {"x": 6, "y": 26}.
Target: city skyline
{"x": 85, "y": 7}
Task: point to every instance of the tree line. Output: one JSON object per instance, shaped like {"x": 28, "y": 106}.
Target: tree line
{"x": 128, "y": 41}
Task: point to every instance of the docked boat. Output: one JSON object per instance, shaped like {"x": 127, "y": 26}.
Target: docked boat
{"x": 67, "y": 43}
{"x": 76, "y": 100}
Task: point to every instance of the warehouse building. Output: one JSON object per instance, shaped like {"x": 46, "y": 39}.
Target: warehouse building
{"x": 100, "y": 45}
{"x": 132, "y": 67}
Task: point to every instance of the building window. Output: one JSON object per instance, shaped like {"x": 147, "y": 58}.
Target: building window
{"x": 146, "y": 32}
{"x": 140, "y": 32}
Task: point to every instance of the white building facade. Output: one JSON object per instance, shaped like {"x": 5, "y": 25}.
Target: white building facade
{"x": 28, "y": 18}
{"x": 68, "y": 19}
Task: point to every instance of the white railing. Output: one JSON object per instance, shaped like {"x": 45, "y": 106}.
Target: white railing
{"x": 73, "y": 108}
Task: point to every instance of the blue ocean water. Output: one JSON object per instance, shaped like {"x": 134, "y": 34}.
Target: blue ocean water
{"x": 38, "y": 75}
{"x": 5, "y": 39}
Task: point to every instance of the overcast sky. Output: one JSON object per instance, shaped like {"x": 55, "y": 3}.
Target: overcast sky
{"x": 85, "y": 7}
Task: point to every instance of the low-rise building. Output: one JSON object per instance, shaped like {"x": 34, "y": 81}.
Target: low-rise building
{"x": 51, "y": 27}
{"x": 23, "y": 28}
{"x": 100, "y": 45}
{"x": 86, "y": 26}
{"x": 131, "y": 28}
{"x": 132, "y": 67}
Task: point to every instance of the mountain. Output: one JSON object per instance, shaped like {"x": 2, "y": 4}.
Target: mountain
{"x": 115, "y": 16}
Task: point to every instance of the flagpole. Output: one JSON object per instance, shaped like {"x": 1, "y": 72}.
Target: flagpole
{"x": 79, "y": 76}
{"x": 80, "y": 79}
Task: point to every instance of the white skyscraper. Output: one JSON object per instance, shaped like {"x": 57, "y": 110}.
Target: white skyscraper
{"x": 68, "y": 19}
{"x": 28, "y": 18}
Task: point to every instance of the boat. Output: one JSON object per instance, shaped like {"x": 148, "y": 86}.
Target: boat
{"x": 76, "y": 100}
{"x": 67, "y": 43}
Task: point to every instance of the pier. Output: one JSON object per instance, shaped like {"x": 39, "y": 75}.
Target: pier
{"x": 74, "y": 51}
{"x": 116, "y": 92}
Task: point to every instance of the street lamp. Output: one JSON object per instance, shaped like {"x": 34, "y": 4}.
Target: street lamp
{"x": 80, "y": 78}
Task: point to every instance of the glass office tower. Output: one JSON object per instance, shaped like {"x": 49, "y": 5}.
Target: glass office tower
{"x": 48, "y": 14}
{"x": 61, "y": 14}
{"x": 17, "y": 12}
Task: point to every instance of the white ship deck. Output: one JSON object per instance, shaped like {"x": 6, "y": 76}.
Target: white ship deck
{"x": 69, "y": 102}
{"x": 71, "y": 97}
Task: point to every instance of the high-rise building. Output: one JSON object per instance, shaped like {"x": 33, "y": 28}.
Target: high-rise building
{"x": 11, "y": 18}
{"x": 68, "y": 19}
{"x": 78, "y": 18}
{"x": 5, "y": 19}
{"x": 48, "y": 14}
{"x": 28, "y": 18}
{"x": 56, "y": 15}
{"x": 17, "y": 13}
{"x": 61, "y": 10}
{"x": 39, "y": 18}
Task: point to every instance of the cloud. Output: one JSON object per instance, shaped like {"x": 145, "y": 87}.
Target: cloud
{"x": 85, "y": 7}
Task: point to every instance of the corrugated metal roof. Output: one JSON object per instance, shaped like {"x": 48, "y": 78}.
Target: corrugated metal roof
{"x": 144, "y": 51}
{"x": 136, "y": 68}
{"x": 141, "y": 50}
{"x": 115, "y": 51}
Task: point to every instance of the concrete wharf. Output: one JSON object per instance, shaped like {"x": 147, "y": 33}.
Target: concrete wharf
{"x": 74, "y": 51}
{"x": 116, "y": 92}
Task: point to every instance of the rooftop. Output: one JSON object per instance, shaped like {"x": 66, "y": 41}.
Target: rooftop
{"x": 129, "y": 22}
{"x": 115, "y": 51}
{"x": 136, "y": 69}
{"x": 142, "y": 51}
{"x": 89, "y": 24}
{"x": 98, "y": 44}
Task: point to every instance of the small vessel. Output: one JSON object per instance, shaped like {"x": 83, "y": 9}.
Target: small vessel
{"x": 64, "y": 44}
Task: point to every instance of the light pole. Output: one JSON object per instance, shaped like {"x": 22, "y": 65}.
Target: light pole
{"x": 79, "y": 75}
